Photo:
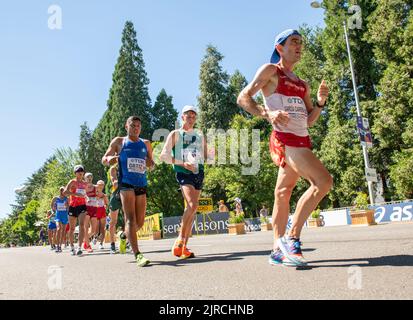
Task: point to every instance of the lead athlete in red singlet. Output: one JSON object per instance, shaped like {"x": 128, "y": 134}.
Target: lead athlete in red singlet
{"x": 76, "y": 189}
{"x": 289, "y": 108}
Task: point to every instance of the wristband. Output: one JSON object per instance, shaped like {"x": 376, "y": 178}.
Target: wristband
{"x": 321, "y": 107}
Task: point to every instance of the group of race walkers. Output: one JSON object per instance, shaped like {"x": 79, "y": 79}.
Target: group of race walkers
{"x": 289, "y": 109}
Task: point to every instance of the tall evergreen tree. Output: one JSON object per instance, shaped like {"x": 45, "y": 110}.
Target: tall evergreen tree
{"x": 340, "y": 150}
{"x": 237, "y": 82}
{"x": 212, "y": 102}
{"x": 128, "y": 95}
{"x": 164, "y": 115}
{"x": 89, "y": 154}
{"x": 391, "y": 35}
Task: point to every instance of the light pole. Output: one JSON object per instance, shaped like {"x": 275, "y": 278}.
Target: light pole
{"x": 317, "y": 5}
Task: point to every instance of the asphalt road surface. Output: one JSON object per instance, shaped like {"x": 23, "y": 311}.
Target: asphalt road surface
{"x": 346, "y": 262}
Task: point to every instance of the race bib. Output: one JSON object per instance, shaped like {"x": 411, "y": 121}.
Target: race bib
{"x": 61, "y": 207}
{"x": 136, "y": 165}
{"x": 192, "y": 155}
{"x": 81, "y": 191}
{"x": 91, "y": 202}
{"x": 100, "y": 202}
{"x": 295, "y": 107}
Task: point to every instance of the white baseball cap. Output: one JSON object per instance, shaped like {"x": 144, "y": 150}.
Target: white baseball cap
{"x": 189, "y": 108}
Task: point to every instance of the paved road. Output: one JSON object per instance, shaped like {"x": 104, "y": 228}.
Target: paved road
{"x": 226, "y": 267}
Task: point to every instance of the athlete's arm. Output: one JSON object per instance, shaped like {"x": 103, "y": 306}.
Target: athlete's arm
{"x": 314, "y": 111}
{"x": 111, "y": 156}
{"x": 53, "y": 204}
{"x": 149, "y": 158}
{"x": 245, "y": 99}
{"x": 166, "y": 154}
{"x": 114, "y": 177}
{"x": 67, "y": 191}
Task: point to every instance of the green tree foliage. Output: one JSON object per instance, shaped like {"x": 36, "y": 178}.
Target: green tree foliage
{"x": 213, "y": 97}
{"x": 128, "y": 94}
{"x": 24, "y": 227}
{"x": 237, "y": 82}
{"x": 59, "y": 173}
{"x": 227, "y": 181}
{"x": 89, "y": 155}
{"x": 340, "y": 149}
{"x": 164, "y": 115}
{"x": 390, "y": 33}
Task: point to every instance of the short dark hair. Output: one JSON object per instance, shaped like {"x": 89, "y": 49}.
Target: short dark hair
{"x": 133, "y": 118}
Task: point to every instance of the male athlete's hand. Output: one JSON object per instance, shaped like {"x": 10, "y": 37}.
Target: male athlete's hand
{"x": 322, "y": 93}
{"x": 112, "y": 160}
{"x": 279, "y": 117}
{"x": 189, "y": 166}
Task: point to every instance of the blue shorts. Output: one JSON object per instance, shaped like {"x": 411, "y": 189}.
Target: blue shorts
{"x": 195, "y": 180}
{"x": 62, "y": 217}
{"x": 51, "y": 226}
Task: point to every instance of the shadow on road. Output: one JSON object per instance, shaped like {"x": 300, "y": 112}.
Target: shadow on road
{"x": 392, "y": 261}
{"x": 231, "y": 256}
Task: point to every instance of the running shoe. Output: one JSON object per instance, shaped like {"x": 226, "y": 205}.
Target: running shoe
{"x": 60, "y": 249}
{"x": 177, "y": 248}
{"x": 291, "y": 248}
{"x": 141, "y": 261}
{"x": 57, "y": 249}
{"x": 101, "y": 247}
{"x": 89, "y": 249}
{"x": 112, "y": 248}
{"x": 277, "y": 258}
{"x": 72, "y": 251}
{"x": 95, "y": 240}
{"x": 84, "y": 245}
{"x": 79, "y": 252}
{"x": 122, "y": 246}
{"x": 186, "y": 253}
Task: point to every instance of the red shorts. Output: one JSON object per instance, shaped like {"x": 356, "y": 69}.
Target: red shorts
{"x": 91, "y": 211}
{"x": 279, "y": 140}
{"x": 101, "y": 213}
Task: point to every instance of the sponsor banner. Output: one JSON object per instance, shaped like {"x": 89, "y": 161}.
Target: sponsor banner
{"x": 394, "y": 212}
{"x": 151, "y": 222}
{"x": 213, "y": 223}
{"x": 252, "y": 224}
{"x": 335, "y": 218}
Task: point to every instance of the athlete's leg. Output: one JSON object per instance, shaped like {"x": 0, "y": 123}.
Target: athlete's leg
{"x": 307, "y": 165}
{"x": 128, "y": 206}
{"x": 286, "y": 181}
{"x": 82, "y": 233}
{"x": 50, "y": 237}
{"x": 113, "y": 222}
{"x": 191, "y": 196}
{"x": 72, "y": 223}
{"x": 94, "y": 227}
{"x": 140, "y": 211}
{"x": 101, "y": 223}
{"x": 87, "y": 224}
{"x": 54, "y": 236}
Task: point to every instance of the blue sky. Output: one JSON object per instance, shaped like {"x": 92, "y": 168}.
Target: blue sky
{"x": 53, "y": 80}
